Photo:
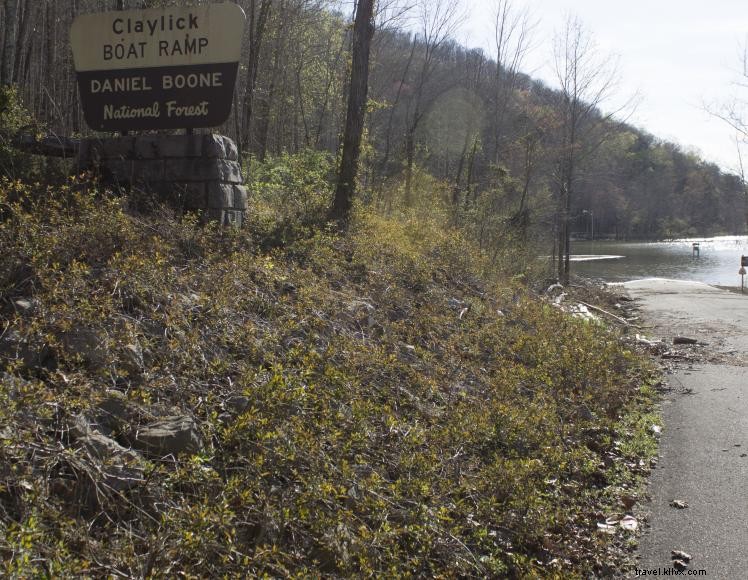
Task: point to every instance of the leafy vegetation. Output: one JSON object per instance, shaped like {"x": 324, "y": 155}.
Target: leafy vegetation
{"x": 388, "y": 402}
{"x": 13, "y": 117}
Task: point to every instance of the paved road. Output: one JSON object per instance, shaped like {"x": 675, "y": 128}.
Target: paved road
{"x": 704, "y": 445}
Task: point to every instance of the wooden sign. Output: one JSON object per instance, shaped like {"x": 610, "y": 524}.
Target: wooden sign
{"x": 161, "y": 68}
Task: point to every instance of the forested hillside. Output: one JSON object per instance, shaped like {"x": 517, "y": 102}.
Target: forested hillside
{"x": 494, "y": 137}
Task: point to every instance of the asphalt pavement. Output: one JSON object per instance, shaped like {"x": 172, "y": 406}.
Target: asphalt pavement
{"x": 703, "y": 459}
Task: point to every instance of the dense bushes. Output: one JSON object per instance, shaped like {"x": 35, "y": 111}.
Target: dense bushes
{"x": 368, "y": 405}
{"x": 15, "y": 164}
{"x": 290, "y": 195}
{"x": 12, "y": 118}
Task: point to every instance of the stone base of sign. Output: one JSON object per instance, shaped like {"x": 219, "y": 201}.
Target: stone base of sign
{"x": 189, "y": 172}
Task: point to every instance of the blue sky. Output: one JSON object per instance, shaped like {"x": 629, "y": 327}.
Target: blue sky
{"x": 677, "y": 55}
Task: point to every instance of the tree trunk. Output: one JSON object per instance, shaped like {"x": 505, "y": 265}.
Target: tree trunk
{"x": 257, "y": 24}
{"x": 363, "y": 31}
{"x": 7, "y": 67}
{"x": 410, "y": 155}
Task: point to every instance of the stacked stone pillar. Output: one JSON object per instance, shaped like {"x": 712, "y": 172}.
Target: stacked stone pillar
{"x": 190, "y": 172}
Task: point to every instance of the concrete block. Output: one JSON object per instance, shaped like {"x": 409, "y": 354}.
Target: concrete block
{"x": 115, "y": 148}
{"x": 94, "y": 150}
{"x": 120, "y": 171}
{"x": 232, "y": 218}
{"x": 214, "y": 147}
{"x": 147, "y": 147}
{"x": 180, "y": 146}
{"x": 148, "y": 171}
{"x": 220, "y": 195}
{"x": 232, "y": 151}
{"x": 240, "y": 197}
{"x": 183, "y": 170}
{"x": 191, "y": 195}
{"x": 83, "y": 161}
{"x": 202, "y": 169}
{"x": 230, "y": 172}
{"x": 225, "y": 217}
{"x": 220, "y": 147}
{"x": 213, "y": 215}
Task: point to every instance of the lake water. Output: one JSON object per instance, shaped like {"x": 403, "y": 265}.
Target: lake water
{"x": 717, "y": 264}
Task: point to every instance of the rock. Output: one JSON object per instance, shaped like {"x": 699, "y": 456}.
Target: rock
{"x": 123, "y": 477}
{"x": 13, "y": 346}
{"x": 95, "y": 442}
{"x": 679, "y": 504}
{"x": 116, "y": 468}
{"x": 116, "y": 407}
{"x": 131, "y": 360}
{"x": 86, "y": 343}
{"x": 684, "y": 340}
{"x": 238, "y": 404}
{"x": 680, "y": 555}
{"x": 169, "y": 436}
{"x": 363, "y": 313}
{"x": 680, "y": 565}
{"x": 24, "y": 306}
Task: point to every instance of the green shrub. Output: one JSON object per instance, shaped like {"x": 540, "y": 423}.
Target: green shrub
{"x": 369, "y": 404}
{"x": 290, "y": 195}
{"x": 15, "y": 164}
{"x": 13, "y": 117}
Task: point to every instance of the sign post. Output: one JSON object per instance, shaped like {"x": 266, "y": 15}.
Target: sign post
{"x": 161, "y": 68}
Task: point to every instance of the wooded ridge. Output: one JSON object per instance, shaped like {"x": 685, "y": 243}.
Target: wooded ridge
{"x": 499, "y": 139}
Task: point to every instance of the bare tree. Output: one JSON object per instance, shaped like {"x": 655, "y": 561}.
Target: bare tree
{"x": 734, "y": 114}
{"x": 7, "y": 66}
{"x": 586, "y": 80}
{"x": 512, "y": 31}
{"x": 739, "y": 144}
{"x": 258, "y": 18}
{"x": 363, "y": 31}
{"x": 438, "y": 20}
